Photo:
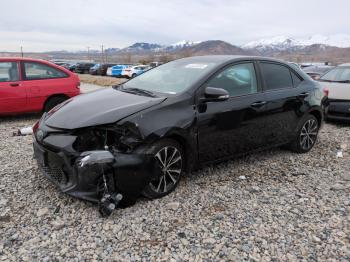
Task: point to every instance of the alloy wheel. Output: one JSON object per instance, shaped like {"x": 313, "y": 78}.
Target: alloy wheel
{"x": 308, "y": 134}
{"x": 170, "y": 162}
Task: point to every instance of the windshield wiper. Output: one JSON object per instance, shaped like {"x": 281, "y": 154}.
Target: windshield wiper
{"x": 335, "y": 81}
{"x": 138, "y": 91}
{"x": 343, "y": 81}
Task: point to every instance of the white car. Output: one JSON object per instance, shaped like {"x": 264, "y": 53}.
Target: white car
{"x": 135, "y": 71}
{"x": 336, "y": 85}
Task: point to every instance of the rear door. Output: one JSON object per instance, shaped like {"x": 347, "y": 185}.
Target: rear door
{"x": 13, "y": 96}
{"x": 234, "y": 126}
{"x": 285, "y": 97}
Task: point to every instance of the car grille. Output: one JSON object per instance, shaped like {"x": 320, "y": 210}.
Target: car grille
{"x": 56, "y": 174}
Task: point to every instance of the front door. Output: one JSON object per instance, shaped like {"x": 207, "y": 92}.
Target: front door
{"x": 13, "y": 96}
{"x": 236, "y": 125}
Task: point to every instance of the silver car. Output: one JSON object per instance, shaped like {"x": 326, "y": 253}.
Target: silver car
{"x": 336, "y": 85}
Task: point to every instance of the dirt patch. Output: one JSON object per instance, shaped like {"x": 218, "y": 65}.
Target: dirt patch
{"x": 101, "y": 80}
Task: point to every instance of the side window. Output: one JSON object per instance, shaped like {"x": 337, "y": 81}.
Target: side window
{"x": 296, "y": 79}
{"x": 9, "y": 72}
{"x": 276, "y": 76}
{"x": 34, "y": 71}
{"x": 238, "y": 80}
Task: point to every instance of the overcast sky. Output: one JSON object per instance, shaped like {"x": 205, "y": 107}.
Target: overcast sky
{"x": 42, "y": 25}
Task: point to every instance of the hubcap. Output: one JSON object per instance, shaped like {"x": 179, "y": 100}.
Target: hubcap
{"x": 308, "y": 134}
{"x": 170, "y": 162}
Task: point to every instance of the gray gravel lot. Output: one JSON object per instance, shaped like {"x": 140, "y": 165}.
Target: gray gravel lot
{"x": 287, "y": 207}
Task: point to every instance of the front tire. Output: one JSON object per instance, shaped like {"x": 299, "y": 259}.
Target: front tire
{"x": 170, "y": 157}
{"x": 54, "y": 101}
{"x": 306, "y": 136}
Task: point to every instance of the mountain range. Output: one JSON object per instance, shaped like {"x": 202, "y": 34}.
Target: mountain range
{"x": 334, "y": 48}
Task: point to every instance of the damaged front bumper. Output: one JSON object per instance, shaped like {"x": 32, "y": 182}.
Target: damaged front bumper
{"x": 79, "y": 174}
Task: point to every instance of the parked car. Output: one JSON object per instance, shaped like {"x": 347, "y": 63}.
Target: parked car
{"x": 133, "y": 71}
{"x": 100, "y": 69}
{"x": 336, "y": 84}
{"x": 116, "y": 70}
{"x": 141, "y": 137}
{"x": 155, "y": 64}
{"x": 83, "y": 68}
{"x": 31, "y": 85}
{"x": 72, "y": 66}
{"x": 315, "y": 72}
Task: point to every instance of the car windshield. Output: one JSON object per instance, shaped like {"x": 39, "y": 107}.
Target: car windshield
{"x": 171, "y": 78}
{"x": 338, "y": 74}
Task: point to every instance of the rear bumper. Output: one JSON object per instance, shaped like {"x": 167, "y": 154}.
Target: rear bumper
{"x": 337, "y": 109}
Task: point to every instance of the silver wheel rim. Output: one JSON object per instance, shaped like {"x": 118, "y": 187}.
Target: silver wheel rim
{"x": 170, "y": 162}
{"x": 308, "y": 134}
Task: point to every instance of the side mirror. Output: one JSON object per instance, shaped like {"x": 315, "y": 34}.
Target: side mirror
{"x": 213, "y": 94}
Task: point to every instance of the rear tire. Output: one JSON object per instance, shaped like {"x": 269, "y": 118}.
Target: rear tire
{"x": 306, "y": 135}
{"x": 54, "y": 101}
{"x": 170, "y": 157}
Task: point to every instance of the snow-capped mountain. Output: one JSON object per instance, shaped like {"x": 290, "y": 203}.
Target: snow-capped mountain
{"x": 183, "y": 43}
{"x": 142, "y": 47}
{"x": 285, "y": 43}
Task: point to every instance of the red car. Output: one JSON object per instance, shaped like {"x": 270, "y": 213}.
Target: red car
{"x": 31, "y": 85}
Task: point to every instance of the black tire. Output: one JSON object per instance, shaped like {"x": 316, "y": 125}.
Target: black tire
{"x": 54, "y": 101}
{"x": 306, "y": 135}
{"x": 133, "y": 75}
{"x": 168, "y": 180}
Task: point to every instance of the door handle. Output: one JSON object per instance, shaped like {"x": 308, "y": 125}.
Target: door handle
{"x": 14, "y": 84}
{"x": 258, "y": 104}
{"x": 303, "y": 95}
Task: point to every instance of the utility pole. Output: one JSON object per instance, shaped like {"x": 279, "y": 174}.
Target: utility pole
{"x": 22, "y": 51}
{"x": 102, "y": 58}
{"x": 88, "y": 49}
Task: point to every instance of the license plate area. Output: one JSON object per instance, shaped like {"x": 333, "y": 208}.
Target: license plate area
{"x": 340, "y": 107}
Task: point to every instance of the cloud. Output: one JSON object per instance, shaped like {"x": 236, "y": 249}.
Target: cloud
{"x": 41, "y": 25}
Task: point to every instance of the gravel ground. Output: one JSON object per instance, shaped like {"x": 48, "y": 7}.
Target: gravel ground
{"x": 271, "y": 206}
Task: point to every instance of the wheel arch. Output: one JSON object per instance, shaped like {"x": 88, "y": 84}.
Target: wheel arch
{"x": 318, "y": 114}
{"x": 52, "y": 96}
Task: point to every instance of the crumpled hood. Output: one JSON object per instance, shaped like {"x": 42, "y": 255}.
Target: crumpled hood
{"x": 97, "y": 108}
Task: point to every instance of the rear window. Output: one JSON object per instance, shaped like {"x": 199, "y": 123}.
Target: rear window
{"x": 37, "y": 71}
{"x": 9, "y": 71}
{"x": 337, "y": 74}
{"x": 296, "y": 79}
{"x": 276, "y": 76}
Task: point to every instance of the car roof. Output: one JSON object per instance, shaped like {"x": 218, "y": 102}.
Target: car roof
{"x": 221, "y": 59}
{"x": 22, "y": 59}
{"x": 346, "y": 64}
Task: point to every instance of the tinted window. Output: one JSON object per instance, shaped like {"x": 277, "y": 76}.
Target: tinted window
{"x": 9, "y": 71}
{"x": 34, "y": 70}
{"x": 337, "y": 74}
{"x": 237, "y": 80}
{"x": 296, "y": 79}
{"x": 276, "y": 76}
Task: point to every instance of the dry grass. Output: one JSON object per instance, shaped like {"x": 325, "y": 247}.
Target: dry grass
{"x": 100, "y": 80}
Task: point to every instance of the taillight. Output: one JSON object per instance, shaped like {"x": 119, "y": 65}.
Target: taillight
{"x": 36, "y": 126}
{"x": 326, "y": 92}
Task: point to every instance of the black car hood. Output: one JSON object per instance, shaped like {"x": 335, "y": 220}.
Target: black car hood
{"x": 97, "y": 108}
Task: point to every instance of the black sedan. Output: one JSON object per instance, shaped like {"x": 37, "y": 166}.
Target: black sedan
{"x": 140, "y": 137}
{"x": 83, "y": 67}
{"x": 100, "y": 69}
